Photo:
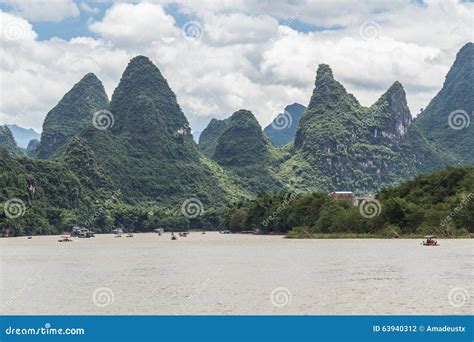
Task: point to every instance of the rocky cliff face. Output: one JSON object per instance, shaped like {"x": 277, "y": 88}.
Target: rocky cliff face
{"x": 391, "y": 117}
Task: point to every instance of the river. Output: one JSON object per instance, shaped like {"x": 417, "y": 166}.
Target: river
{"x": 234, "y": 274}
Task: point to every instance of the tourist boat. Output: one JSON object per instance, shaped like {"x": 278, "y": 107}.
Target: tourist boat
{"x": 81, "y": 232}
{"x": 65, "y": 239}
{"x": 118, "y": 232}
{"x": 430, "y": 240}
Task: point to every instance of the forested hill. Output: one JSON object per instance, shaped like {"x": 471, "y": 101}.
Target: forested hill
{"x": 448, "y": 121}
{"x": 140, "y": 145}
{"x": 441, "y": 203}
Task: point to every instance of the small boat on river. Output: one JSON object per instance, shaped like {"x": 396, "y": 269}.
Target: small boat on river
{"x": 65, "y": 238}
{"x": 430, "y": 240}
{"x": 81, "y": 232}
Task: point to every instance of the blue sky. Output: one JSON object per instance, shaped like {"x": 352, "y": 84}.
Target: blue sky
{"x": 78, "y": 26}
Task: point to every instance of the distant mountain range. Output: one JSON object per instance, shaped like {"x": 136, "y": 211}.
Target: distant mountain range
{"x": 282, "y": 129}
{"x": 140, "y": 142}
{"x": 23, "y": 136}
{"x": 8, "y": 142}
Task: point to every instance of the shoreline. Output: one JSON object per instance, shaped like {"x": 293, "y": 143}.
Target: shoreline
{"x": 306, "y": 236}
{"x": 289, "y": 236}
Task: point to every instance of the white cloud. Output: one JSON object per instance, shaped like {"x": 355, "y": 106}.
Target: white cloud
{"x": 366, "y": 68}
{"x": 44, "y": 10}
{"x": 243, "y": 58}
{"x": 128, "y": 25}
{"x": 34, "y": 75}
{"x": 85, "y": 7}
{"x": 238, "y": 28}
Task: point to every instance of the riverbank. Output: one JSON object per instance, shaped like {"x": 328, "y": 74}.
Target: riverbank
{"x": 302, "y": 233}
{"x": 292, "y": 234}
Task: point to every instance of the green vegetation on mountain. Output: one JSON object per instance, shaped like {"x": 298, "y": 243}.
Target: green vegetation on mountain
{"x": 31, "y": 148}
{"x": 246, "y": 151}
{"x": 149, "y": 151}
{"x": 53, "y": 197}
{"x": 72, "y": 114}
{"x": 8, "y": 142}
{"x": 137, "y": 170}
{"x": 441, "y": 202}
{"x": 50, "y": 197}
{"x": 346, "y": 146}
{"x": 448, "y": 121}
{"x": 78, "y": 157}
{"x": 208, "y": 137}
{"x": 282, "y": 130}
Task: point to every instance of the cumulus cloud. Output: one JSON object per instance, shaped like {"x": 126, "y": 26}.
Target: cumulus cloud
{"x": 44, "y": 10}
{"x": 34, "y": 75}
{"x": 238, "y": 28}
{"x": 248, "y": 54}
{"x": 128, "y": 25}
